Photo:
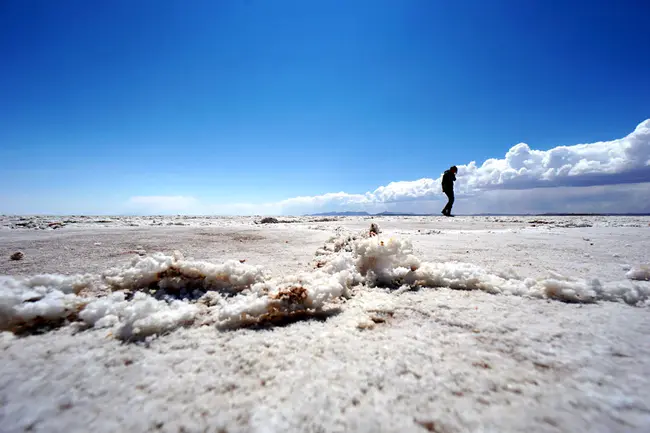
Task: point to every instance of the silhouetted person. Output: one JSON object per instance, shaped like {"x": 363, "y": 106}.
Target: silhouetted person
{"x": 448, "y": 179}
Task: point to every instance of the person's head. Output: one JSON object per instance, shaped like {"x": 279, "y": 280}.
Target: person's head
{"x": 454, "y": 169}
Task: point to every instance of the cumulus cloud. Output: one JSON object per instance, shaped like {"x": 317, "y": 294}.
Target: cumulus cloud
{"x": 626, "y": 160}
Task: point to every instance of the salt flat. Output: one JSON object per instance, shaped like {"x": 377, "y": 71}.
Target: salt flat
{"x": 549, "y": 332}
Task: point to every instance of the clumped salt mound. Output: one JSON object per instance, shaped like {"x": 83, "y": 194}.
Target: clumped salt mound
{"x": 575, "y": 224}
{"x": 257, "y": 296}
{"x": 48, "y": 299}
{"x": 385, "y": 262}
{"x": 634, "y": 294}
{"x": 340, "y": 241}
{"x": 237, "y": 294}
{"x": 174, "y": 274}
{"x": 641, "y": 273}
{"x": 303, "y": 293}
{"x": 592, "y": 290}
{"x": 28, "y": 301}
{"x": 466, "y": 276}
{"x": 562, "y": 223}
{"x": 251, "y": 295}
{"x": 139, "y": 317}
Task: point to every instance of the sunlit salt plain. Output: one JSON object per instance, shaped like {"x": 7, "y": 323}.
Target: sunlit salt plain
{"x": 194, "y": 324}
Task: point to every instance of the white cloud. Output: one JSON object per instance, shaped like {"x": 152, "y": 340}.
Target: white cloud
{"x": 626, "y": 160}
{"x": 583, "y": 177}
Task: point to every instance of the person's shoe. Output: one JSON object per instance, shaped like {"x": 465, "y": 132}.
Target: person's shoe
{"x": 443, "y": 212}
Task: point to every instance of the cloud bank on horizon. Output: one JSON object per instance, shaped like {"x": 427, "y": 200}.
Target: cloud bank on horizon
{"x": 606, "y": 176}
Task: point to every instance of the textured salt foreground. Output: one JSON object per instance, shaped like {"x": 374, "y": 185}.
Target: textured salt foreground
{"x": 473, "y": 324}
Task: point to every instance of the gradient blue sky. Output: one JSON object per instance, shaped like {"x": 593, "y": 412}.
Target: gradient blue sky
{"x": 251, "y": 101}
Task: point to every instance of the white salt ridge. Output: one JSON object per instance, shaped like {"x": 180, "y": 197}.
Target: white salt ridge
{"x": 380, "y": 262}
{"x": 332, "y": 281}
{"x": 145, "y": 271}
{"x": 345, "y": 261}
{"x": 466, "y": 276}
{"x": 393, "y": 263}
{"x": 51, "y": 297}
{"x": 273, "y": 299}
{"x": 641, "y": 273}
{"x": 139, "y": 317}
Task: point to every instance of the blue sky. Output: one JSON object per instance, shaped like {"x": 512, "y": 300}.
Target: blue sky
{"x": 237, "y": 106}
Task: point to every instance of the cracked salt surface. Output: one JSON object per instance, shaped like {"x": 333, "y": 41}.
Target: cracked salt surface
{"x": 391, "y": 353}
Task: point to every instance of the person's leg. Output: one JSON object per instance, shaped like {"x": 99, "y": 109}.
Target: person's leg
{"x": 450, "y": 202}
